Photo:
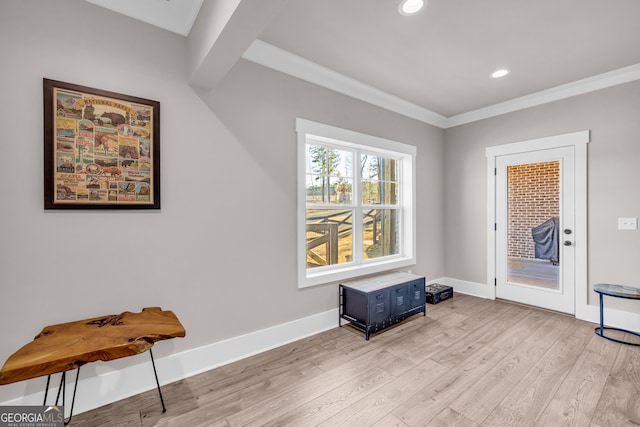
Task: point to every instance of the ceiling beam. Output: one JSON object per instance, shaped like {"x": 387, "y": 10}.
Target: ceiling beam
{"x": 223, "y": 31}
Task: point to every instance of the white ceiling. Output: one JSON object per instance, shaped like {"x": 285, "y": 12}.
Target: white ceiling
{"x": 435, "y": 66}
{"x": 176, "y": 16}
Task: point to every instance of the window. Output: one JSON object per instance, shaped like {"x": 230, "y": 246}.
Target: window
{"x": 356, "y": 212}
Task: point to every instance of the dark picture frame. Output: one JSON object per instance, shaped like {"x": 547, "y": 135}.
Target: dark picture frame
{"x": 101, "y": 149}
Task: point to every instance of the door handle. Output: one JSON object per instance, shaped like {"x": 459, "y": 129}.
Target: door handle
{"x": 567, "y": 243}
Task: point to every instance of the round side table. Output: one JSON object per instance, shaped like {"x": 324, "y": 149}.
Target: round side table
{"x": 616, "y": 291}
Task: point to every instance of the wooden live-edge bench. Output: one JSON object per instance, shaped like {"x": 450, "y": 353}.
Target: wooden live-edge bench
{"x": 67, "y": 346}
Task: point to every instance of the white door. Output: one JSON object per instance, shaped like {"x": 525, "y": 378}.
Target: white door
{"x": 535, "y": 228}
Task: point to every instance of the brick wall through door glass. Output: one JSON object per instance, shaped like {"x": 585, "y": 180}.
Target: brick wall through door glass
{"x": 533, "y": 198}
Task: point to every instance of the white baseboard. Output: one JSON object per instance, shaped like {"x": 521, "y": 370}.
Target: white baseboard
{"x": 469, "y": 288}
{"x": 99, "y": 389}
{"x": 590, "y": 313}
{"x": 102, "y": 389}
{"x": 612, "y": 317}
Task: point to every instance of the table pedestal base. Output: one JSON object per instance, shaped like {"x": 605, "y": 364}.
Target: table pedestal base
{"x": 600, "y": 329}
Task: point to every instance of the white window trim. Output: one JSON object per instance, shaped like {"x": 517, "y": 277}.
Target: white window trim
{"x": 407, "y": 256}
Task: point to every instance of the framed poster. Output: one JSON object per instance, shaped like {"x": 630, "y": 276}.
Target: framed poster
{"x": 101, "y": 149}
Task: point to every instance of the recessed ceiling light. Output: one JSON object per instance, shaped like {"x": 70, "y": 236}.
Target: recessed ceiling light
{"x": 411, "y": 7}
{"x": 500, "y": 73}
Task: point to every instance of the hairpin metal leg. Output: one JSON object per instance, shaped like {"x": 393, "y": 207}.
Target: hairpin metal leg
{"x": 63, "y": 389}
{"x": 157, "y": 382}
{"x": 73, "y": 399}
{"x": 46, "y": 390}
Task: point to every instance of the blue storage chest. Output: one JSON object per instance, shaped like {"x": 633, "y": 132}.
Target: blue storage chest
{"x": 373, "y": 303}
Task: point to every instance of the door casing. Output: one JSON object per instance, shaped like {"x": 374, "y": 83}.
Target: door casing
{"x": 562, "y": 299}
{"x": 579, "y": 141}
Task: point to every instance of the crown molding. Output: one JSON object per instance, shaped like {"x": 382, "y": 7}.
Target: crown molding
{"x": 273, "y": 57}
{"x": 286, "y": 62}
{"x": 579, "y": 87}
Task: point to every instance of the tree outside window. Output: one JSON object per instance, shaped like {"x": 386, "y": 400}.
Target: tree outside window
{"x": 357, "y": 212}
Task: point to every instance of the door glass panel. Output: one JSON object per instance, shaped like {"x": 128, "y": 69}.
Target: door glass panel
{"x": 533, "y": 198}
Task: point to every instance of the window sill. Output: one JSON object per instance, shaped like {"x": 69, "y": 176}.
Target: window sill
{"x": 352, "y": 271}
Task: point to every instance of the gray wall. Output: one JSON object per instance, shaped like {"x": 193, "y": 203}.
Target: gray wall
{"x": 613, "y": 180}
{"x": 222, "y": 251}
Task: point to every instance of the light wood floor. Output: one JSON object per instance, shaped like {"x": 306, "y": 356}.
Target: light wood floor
{"x": 469, "y": 362}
